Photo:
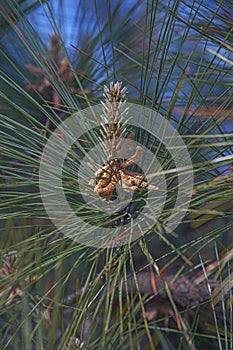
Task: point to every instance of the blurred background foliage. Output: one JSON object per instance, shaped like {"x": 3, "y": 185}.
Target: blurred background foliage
{"x": 56, "y": 56}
